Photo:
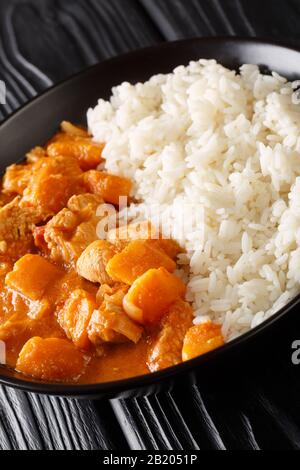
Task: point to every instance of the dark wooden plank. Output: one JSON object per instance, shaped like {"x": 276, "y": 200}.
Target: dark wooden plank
{"x": 31, "y": 422}
{"x": 71, "y": 36}
{"x": 180, "y": 19}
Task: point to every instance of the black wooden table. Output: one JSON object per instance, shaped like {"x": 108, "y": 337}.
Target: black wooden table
{"x": 44, "y": 41}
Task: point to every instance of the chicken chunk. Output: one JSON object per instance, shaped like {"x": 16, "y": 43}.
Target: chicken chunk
{"x": 167, "y": 349}
{"x": 52, "y": 359}
{"x": 16, "y": 178}
{"x": 35, "y": 154}
{"x": 72, "y": 230}
{"x": 110, "y": 324}
{"x": 16, "y": 227}
{"x": 70, "y": 129}
{"x": 92, "y": 263}
{"x": 75, "y": 316}
{"x": 54, "y": 181}
{"x": 16, "y": 222}
{"x": 201, "y": 339}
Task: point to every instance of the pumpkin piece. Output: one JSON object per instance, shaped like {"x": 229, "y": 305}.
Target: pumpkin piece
{"x": 144, "y": 231}
{"x": 16, "y": 325}
{"x": 93, "y": 261}
{"x": 151, "y": 295}
{"x": 167, "y": 348}
{"x": 109, "y": 187}
{"x": 137, "y": 258}
{"x": 31, "y": 276}
{"x": 51, "y": 359}
{"x": 170, "y": 247}
{"x": 74, "y": 317}
{"x": 201, "y": 339}
{"x": 54, "y": 181}
{"x": 136, "y": 231}
{"x": 87, "y": 153}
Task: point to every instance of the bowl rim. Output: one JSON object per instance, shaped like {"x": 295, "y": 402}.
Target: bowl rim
{"x": 113, "y": 388}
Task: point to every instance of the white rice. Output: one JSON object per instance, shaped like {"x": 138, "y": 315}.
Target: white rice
{"x": 224, "y": 148}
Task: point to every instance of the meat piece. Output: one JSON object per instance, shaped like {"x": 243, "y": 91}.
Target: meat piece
{"x": 144, "y": 231}
{"x": 201, "y": 339}
{"x": 92, "y": 263}
{"x": 53, "y": 182}
{"x": 16, "y": 226}
{"x": 31, "y": 276}
{"x": 39, "y": 309}
{"x": 110, "y": 324}
{"x": 73, "y": 229}
{"x": 151, "y": 295}
{"x": 167, "y": 349}
{"x": 52, "y": 359}
{"x": 17, "y": 178}
{"x": 109, "y": 290}
{"x": 136, "y": 259}
{"x": 5, "y": 198}
{"x": 70, "y": 129}
{"x": 82, "y": 148}
{"x": 109, "y": 187}
{"x": 35, "y": 154}
{"x": 75, "y": 316}
{"x": 16, "y": 222}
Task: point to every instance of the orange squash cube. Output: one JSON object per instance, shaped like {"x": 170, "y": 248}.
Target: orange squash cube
{"x": 75, "y": 317}
{"x": 136, "y": 231}
{"x": 109, "y": 187}
{"x": 144, "y": 231}
{"x": 31, "y": 276}
{"x": 201, "y": 339}
{"x": 152, "y": 294}
{"x": 88, "y": 153}
{"x": 170, "y": 247}
{"x": 137, "y": 258}
{"x": 51, "y": 359}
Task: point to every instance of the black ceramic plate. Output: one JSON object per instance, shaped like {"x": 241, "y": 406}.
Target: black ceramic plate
{"x": 38, "y": 120}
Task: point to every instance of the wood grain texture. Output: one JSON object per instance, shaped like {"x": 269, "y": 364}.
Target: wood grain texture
{"x": 44, "y": 41}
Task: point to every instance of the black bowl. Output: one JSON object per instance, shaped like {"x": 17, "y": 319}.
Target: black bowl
{"x": 34, "y": 123}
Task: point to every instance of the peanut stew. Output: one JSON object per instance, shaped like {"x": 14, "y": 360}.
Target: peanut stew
{"x": 75, "y": 308}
